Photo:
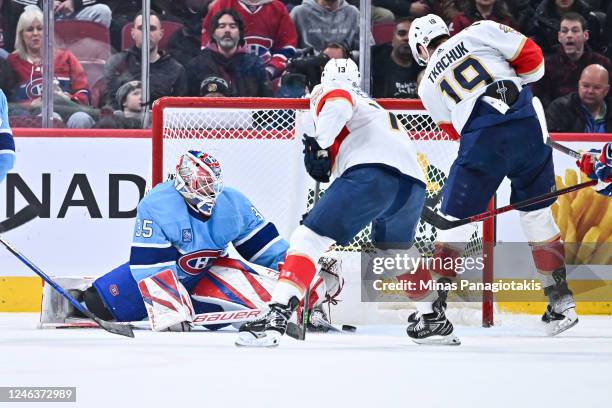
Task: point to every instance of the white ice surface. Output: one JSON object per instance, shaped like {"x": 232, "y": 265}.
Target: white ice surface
{"x": 511, "y": 365}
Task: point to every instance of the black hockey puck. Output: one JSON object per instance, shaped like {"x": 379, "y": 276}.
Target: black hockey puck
{"x": 349, "y": 328}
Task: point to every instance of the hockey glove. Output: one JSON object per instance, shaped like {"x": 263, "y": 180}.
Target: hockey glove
{"x": 317, "y": 160}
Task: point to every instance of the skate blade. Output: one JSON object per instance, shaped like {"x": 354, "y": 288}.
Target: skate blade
{"x": 559, "y": 326}
{"x": 448, "y": 340}
{"x": 267, "y": 339}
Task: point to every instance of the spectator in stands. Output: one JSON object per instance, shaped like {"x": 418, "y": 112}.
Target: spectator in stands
{"x": 214, "y": 87}
{"x": 226, "y": 57}
{"x": 167, "y": 76}
{"x": 588, "y": 110}
{"x": 394, "y": 71}
{"x": 124, "y": 11}
{"x": 130, "y": 113}
{"x": 544, "y": 24}
{"x": 476, "y": 10}
{"x": 306, "y": 72}
{"x": 187, "y": 42}
{"x": 86, "y": 10}
{"x": 563, "y": 68}
{"x": 268, "y": 30}
{"x": 319, "y": 22}
{"x": 71, "y": 95}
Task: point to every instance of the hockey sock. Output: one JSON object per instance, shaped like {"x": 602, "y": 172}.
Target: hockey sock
{"x": 297, "y": 273}
{"x": 549, "y": 258}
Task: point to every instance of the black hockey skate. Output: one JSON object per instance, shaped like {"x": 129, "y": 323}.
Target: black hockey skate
{"x": 318, "y": 321}
{"x": 439, "y": 305}
{"x": 560, "y": 313}
{"x": 267, "y": 330}
{"x": 433, "y": 328}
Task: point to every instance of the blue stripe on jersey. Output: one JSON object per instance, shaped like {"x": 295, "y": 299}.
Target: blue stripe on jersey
{"x": 152, "y": 256}
{"x": 226, "y": 291}
{"x": 250, "y": 247}
{"x": 6, "y": 141}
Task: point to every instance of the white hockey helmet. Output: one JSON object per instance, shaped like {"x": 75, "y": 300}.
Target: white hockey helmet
{"x": 422, "y": 31}
{"x": 198, "y": 179}
{"x": 341, "y": 72}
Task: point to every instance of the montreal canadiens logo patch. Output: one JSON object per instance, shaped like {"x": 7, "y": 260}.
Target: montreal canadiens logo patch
{"x": 196, "y": 262}
{"x": 114, "y": 290}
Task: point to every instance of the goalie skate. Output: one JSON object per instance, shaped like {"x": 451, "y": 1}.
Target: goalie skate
{"x": 433, "y": 329}
{"x": 560, "y": 316}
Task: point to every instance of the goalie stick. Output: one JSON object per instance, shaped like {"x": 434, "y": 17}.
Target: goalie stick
{"x": 28, "y": 213}
{"x": 116, "y": 328}
{"x": 433, "y": 218}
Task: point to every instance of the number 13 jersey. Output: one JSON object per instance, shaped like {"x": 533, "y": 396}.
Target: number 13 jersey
{"x": 357, "y": 131}
{"x": 460, "y": 69}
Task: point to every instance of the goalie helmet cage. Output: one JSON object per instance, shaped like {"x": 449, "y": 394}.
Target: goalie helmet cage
{"x": 258, "y": 142}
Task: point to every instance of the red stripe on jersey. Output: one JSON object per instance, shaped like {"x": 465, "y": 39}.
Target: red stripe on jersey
{"x": 335, "y": 148}
{"x": 334, "y": 94}
{"x": 449, "y": 129}
{"x": 528, "y": 58}
{"x": 299, "y": 270}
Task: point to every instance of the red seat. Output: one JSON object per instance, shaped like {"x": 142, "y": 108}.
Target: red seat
{"x": 94, "y": 70}
{"x": 87, "y": 40}
{"x": 170, "y": 27}
{"x": 383, "y": 32}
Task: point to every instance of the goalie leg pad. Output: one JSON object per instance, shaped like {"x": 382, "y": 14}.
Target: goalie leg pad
{"x": 166, "y": 300}
{"x": 120, "y": 295}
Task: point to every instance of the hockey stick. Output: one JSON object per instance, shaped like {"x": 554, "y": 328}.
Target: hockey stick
{"x": 433, "y": 218}
{"x": 563, "y": 149}
{"x": 294, "y": 330}
{"x": 28, "y": 213}
{"x": 116, "y": 328}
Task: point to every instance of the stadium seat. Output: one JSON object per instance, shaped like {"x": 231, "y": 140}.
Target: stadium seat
{"x": 383, "y": 32}
{"x": 170, "y": 27}
{"x": 85, "y": 39}
{"x": 94, "y": 70}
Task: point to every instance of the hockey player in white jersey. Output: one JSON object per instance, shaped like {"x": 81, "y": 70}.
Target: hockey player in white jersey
{"x": 178, "y": 262}
{"x": 7, "y": 144}
{"x": 377, "y": 180}
{"x": 475, "y": 89}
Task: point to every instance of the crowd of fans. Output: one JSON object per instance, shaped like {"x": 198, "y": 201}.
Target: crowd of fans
{"x": 277, "y": 48}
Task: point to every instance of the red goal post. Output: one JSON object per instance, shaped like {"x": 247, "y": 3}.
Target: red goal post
{"x": 258, "y": 142}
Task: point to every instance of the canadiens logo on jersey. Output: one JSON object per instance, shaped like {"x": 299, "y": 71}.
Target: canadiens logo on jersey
{"x": 198, "y": 261}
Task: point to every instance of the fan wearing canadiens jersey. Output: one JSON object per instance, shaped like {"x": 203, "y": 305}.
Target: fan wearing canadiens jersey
{"x": 475, "y": 88}
{"x": 178, "y": 262}
{"x": 377, "y": 180}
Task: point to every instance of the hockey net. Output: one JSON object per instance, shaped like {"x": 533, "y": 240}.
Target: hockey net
{"x": 258, "y": 142}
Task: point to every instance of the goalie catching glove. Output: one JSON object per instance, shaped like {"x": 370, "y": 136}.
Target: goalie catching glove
{"x": 598, "y": 168}
{"x": 318, "y": 161}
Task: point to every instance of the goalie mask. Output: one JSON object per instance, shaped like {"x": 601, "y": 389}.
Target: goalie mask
{"x": 422, "y": 31}
{"x": 198, "y": 179}
{"x": 339, "y": 72}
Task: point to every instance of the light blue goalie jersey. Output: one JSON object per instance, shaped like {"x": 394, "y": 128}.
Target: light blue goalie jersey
{"x": 7, "y": 145}
{"x": 171, "y": 235}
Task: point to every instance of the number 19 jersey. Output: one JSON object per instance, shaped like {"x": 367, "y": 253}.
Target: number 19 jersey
{"x": 460, "y": 69}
